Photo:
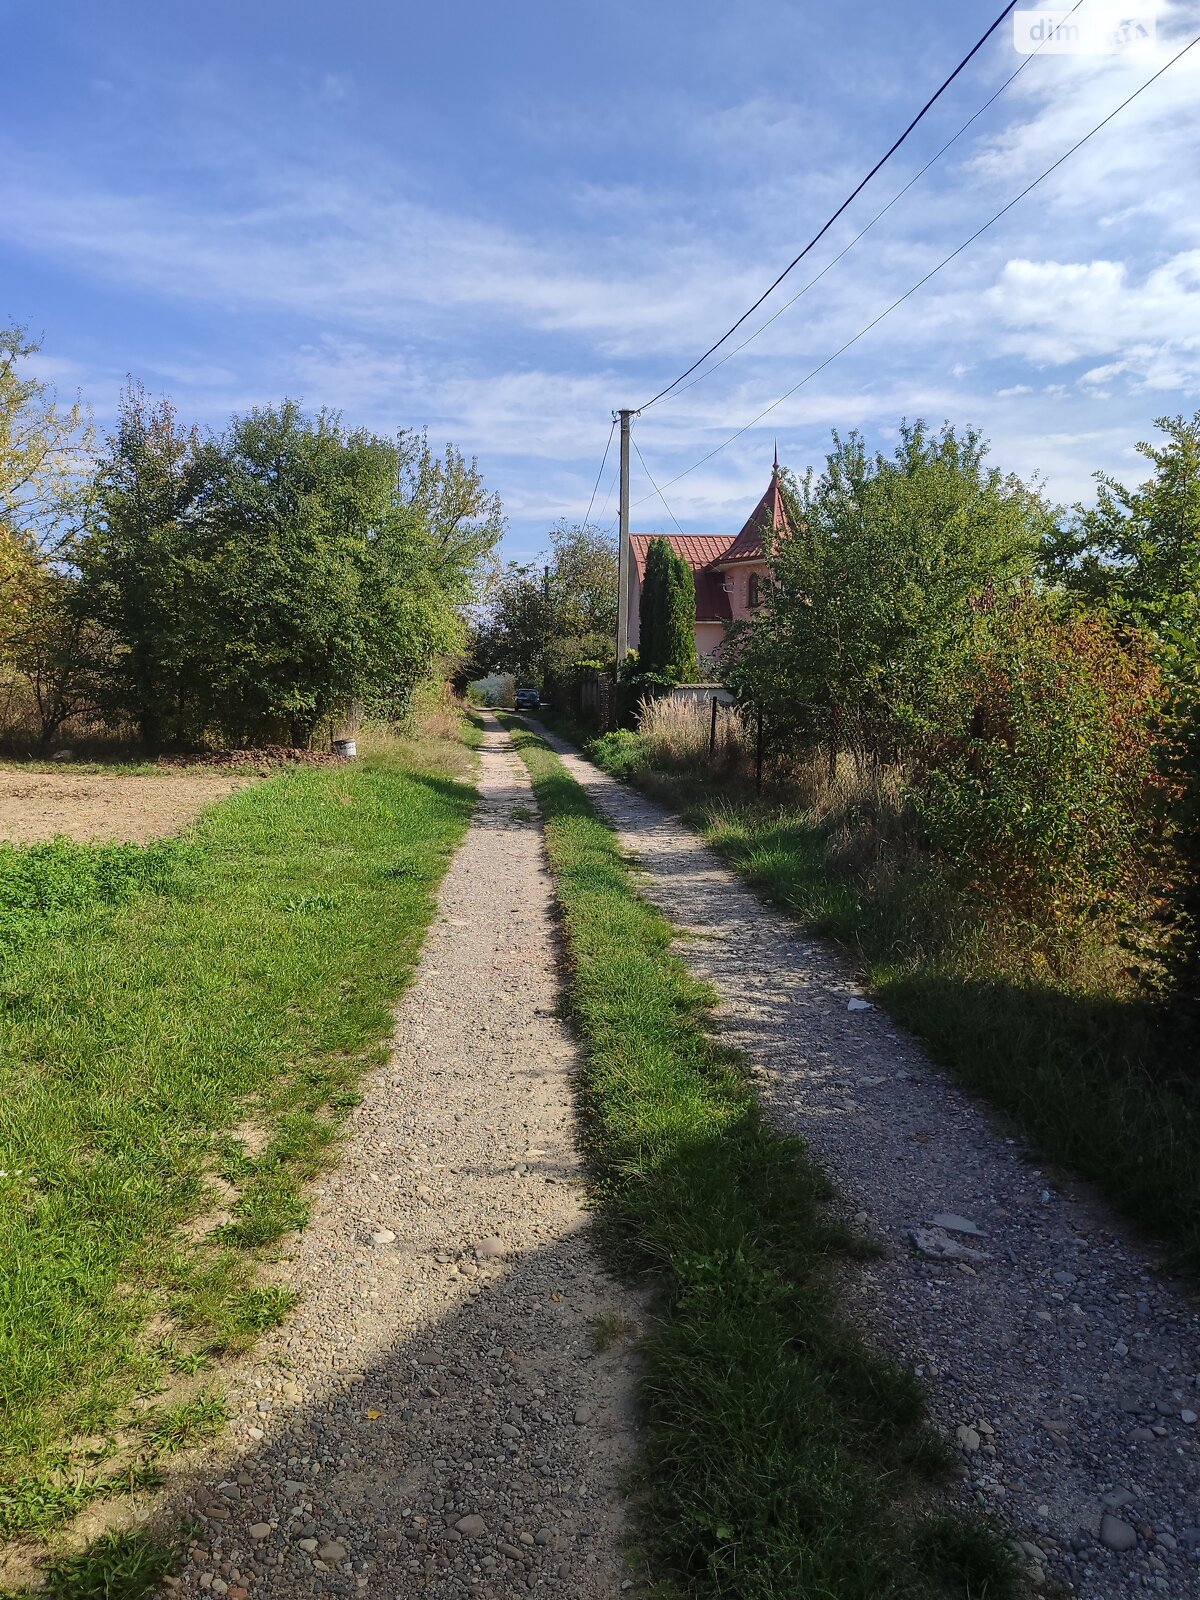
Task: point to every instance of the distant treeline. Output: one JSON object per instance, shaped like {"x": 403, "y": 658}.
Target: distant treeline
{"x": 241, "y": 587}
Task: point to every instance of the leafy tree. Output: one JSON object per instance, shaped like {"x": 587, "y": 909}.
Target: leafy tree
{"x": 542, "y": 617}
{"x": 302, "y": 510}
{"x": 284, "y": 574}
{"x": 461, "y": 521}
{"x": 59, "y": 656}
{"x": 510, "y": 637}
{"x": 44, "y": 462}
{"x": 147, "y": 567}
{"x": 867, "y": 617}
{"x": 1136, "y": 552}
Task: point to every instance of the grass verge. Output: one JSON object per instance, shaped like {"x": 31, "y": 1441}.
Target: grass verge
{"x": 184, "y": 1029}
{"x": 1104, "y": 1083}
{"x": 781, "y": 1457}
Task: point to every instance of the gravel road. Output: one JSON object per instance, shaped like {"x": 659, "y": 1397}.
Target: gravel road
{"x": 1057, "y": 1358}
{"x": 436, "y": 1419}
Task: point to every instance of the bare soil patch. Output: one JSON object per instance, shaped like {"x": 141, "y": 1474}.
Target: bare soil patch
{"x": 94, "y": 806}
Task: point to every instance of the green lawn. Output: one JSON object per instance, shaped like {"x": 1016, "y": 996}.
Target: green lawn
{"x": 780, "y": 1457}
{"x": 184, "y": 1028}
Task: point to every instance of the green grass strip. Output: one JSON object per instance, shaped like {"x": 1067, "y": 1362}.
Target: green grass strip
{"x": 778, "y": 1451}
{"x": 183, "y": 1030}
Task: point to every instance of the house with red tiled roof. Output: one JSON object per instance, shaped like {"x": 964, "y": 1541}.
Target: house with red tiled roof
{"x": 729, "y": 570}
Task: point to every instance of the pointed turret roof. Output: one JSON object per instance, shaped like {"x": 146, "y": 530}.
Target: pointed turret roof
{"x": 770, "y": 514}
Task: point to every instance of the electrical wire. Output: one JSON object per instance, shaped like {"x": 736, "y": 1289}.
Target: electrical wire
{"x": 853, "y": 195}
{"x": 933, "y": 271}
{"x": 899, "y": 195}
{"x": 650, "y": 475}
{"x": 612, "y": 484}
{"x": 600, "y": 474}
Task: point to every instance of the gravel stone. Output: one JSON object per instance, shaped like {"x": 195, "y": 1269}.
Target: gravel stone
{"x": 1116, "y": 1534}
{"x": 954, "y": 1224}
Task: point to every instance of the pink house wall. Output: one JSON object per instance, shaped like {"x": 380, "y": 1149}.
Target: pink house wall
{"x": 739, "y": 596}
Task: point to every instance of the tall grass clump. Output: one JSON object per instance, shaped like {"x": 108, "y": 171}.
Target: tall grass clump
{"x": 676, "y": 730}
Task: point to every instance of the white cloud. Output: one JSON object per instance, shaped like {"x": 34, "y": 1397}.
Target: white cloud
{"x": 1057, "y": 312}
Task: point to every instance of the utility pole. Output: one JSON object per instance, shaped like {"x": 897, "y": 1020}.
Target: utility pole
{"x": 623, "y": 551}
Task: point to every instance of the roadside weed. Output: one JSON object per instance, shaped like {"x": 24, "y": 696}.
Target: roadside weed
{"x": 117, "y": 1566}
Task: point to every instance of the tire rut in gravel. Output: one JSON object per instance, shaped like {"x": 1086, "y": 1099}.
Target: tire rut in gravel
{"x": 1058, "y": 1358}
{"x": 435, "y": 1419}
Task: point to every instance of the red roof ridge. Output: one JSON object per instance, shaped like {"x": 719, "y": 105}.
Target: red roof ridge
{"x": 770, "y": 514}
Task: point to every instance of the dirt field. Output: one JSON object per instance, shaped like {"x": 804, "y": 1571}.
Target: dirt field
{"x": 103, "y": 805}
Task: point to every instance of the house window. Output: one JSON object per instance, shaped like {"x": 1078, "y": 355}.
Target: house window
{"x": 754, "y": 596}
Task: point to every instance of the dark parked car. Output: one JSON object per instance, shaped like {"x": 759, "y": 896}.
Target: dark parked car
{"x": 527, "y": 700}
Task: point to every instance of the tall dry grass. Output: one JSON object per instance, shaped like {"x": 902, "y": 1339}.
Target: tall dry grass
{"x": 675, "y": 735}
{"x": 436, "y": 736}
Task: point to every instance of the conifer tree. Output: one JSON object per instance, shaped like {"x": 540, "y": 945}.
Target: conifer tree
{"x": 667, "y": 614}
{"x": 652, "y": 609}
{"x": 679, "y": 622}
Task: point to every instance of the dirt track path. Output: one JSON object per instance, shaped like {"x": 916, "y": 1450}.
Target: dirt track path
{"x": 1062, "y": 1365}
{"x": 435, "y": 1419}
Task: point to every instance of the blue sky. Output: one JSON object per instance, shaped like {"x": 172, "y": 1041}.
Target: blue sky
{"x": 502, "y": 221}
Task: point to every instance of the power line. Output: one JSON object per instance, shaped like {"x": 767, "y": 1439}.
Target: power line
{"x": 600, "y": 474}
{"x": 899, "y": 195}
{"x": 612, "y": 484}
{"x": 887, "y": 155}
{"x": 933, "y": 271}
{"x": 657, "y": 490}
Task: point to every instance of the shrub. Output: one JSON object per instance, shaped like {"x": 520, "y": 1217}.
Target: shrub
{"x": 1181, "y": 911}
{"x": 621, "y": 753}
{"x": 1040, "y": 793}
